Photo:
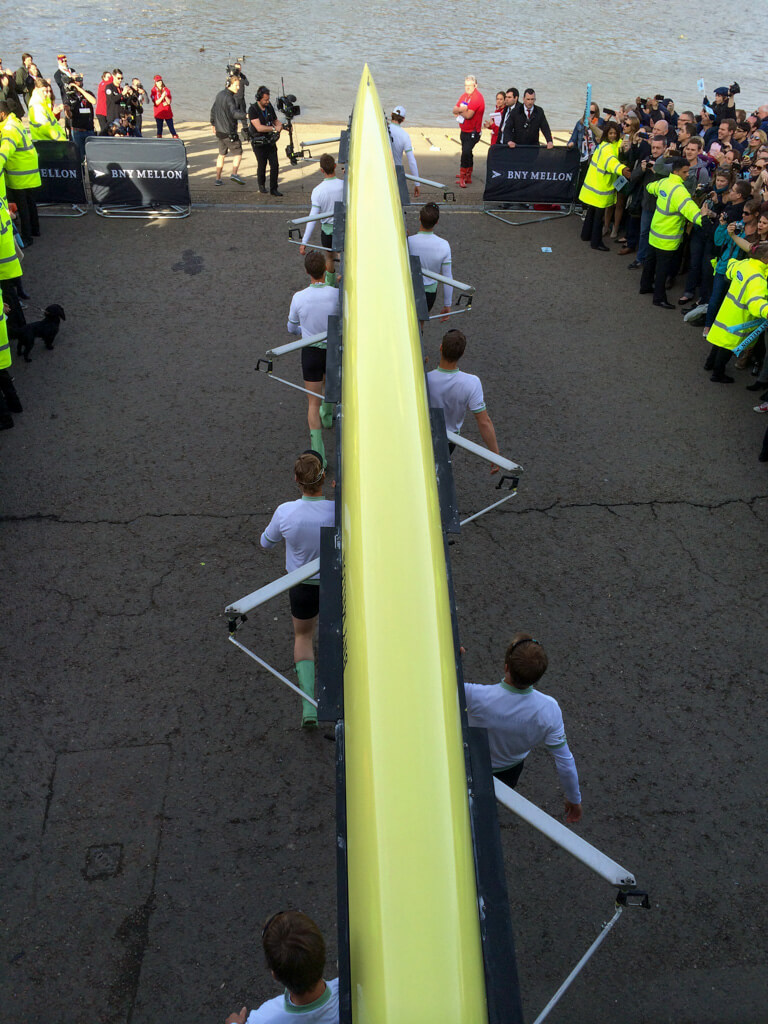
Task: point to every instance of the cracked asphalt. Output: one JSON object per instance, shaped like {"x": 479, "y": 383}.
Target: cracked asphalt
{"x": 159, "y": 800}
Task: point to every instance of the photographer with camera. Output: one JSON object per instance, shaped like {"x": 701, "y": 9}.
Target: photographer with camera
{"x": 81, "y": 106}
{"x": 225, "y": 113}
{"x": 265, "y": 132}
{"x": 238, "y": 73}
{"x": 140, "y": 98}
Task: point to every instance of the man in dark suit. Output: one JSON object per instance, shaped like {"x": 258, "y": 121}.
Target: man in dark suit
{"x": 527, "y": 121}
{"x": 511, "y": 104}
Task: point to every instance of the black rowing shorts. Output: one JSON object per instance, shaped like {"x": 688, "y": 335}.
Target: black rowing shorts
{"x": 313, "y": 363}
{"x": 305, "y": 600}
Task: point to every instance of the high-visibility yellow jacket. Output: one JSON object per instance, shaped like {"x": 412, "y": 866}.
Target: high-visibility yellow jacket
{"x": 598, "y": 189}
{"x": 745, "y": 302}
{"x": 673, "y": 207}
{"x": 18, "y": 156}
{"x": 5, "y": 345}
{"x": 42, "y": 121}
{"x": 10, "y": 264}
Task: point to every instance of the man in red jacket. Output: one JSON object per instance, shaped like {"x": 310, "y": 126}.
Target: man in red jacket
{"x": 101, "y": 102}
{"x": 469, "y": 112}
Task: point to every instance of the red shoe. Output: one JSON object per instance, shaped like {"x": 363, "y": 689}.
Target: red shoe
{"x": 463, "y": 178}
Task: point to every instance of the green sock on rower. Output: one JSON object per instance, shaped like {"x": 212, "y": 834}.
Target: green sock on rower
{"x": 316, "y": 444}
{"x": 305, "y": 670}
{"x": 326, "y": 414}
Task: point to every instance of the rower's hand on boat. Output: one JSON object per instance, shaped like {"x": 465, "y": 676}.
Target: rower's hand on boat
{"x": 550, "y": 145}
{"x": 572, "y": 812}
{"x": 237, "y": 1018}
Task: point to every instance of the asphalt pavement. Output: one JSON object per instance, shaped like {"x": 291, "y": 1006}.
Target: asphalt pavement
{"x": 159, "y": 799}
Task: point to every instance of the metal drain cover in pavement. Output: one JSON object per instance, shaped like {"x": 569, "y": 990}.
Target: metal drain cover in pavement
{"x": 103, "y": 861}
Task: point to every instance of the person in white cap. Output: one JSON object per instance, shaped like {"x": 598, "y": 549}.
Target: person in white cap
{"x": 401, "y": 144}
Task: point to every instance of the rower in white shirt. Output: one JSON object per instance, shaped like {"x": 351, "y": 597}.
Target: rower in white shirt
{"x": 308, "y": 315}
{"x": 434, "y": 253}
{"x": 457, "y": 392}
{"x": 401, "y": 144}
{"x": 324, "y": 197}
{"x": 299, "y": 523}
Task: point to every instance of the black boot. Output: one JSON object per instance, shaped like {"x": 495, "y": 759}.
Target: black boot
{"x": 10, "y": 398}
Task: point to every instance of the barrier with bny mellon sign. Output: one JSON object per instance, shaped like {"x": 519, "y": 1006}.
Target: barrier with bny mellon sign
{"x": 137, "y": 173}
{"x": 531, "y": 174}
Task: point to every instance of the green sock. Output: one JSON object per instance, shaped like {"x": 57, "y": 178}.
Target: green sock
{"x": 316, "y": 444}
{"x": 305, "y": 670}
{"x": 326, "y": 414}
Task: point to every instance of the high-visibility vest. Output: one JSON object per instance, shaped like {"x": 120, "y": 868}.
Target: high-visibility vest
{"x": 10, "y": 264}
{"x": 673, "y": 207}
{"x": 18, "y": 156}
{"x": 598, "y": 189}
{"x": 745, "y": 302}
{"x": 42, "y": 122}
{"x": 5, "y": 345}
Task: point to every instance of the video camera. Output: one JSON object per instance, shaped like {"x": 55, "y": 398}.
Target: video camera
{"x": 289, "y": 108}
{"x": 287, "y": 105}
{"x": 233, "y": 71}
{"x": 70, "y": 86}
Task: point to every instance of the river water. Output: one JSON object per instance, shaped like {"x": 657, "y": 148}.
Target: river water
{"x": 418, "y": 52}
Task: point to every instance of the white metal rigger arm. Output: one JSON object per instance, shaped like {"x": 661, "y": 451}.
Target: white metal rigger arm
{"x": 275, "y": 673}
{"x": 458, "y": 285}
{"x": 307, "y": 219}
{"x": 577, "y": 969}
{"x": 292, "y": 346}
{"x": 320, "y": 142}
{"x": 483, "y": 453}
{"x": 424, "y": 181}
{"x": 579, "y": 848}
{"x": 278, "y": 586}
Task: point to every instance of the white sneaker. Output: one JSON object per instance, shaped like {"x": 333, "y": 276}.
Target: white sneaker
{"x": 763, "y": 407}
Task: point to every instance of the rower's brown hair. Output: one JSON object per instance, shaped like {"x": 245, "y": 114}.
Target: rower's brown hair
{"x": 295, "y": 950}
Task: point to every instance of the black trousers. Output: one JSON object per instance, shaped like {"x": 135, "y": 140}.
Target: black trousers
{"x": 266, "y": 155}
{"x": 592, "y": 228}
{"x": 660, "y": 264}
{"x": 29, "y": 222}
{"x": 510, "y": 776}
{"x": 468, "y": 142}
{"x": 9, "y": 399}
{"x": 717, "y": 360}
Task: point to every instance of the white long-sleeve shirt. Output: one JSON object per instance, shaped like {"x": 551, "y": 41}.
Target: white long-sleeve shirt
{"x": 435, "y": 255}
{"x": 299, "y": 523}
{"x": 324, "y": 196}
{"x": 455, "y": 392}
{"x": 401, "y": 147}
{"x": 310, "y": 309}
{"x": 519, "y": 720}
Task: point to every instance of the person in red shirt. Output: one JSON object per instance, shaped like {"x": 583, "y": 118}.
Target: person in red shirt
{"x": 494, "y": 121}
{"x": 161, "y": 99}
{"x": 101, "y": 102}
{"x": 469, "y": 112}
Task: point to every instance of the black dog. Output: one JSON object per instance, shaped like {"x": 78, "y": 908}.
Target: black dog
{"x": 46, "y": 329}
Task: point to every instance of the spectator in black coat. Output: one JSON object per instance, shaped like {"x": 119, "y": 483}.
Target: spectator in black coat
{"x": 527, "y": 120}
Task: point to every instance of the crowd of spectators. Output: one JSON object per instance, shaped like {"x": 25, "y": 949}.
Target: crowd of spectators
{"x": 687, "y": 236}
{"x": 63, "y": 107}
